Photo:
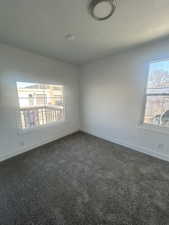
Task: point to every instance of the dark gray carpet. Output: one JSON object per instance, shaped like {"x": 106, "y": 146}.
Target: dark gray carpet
{"x": 83, "y": 180}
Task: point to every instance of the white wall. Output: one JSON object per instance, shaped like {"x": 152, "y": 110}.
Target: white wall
{"x": 18, "y": 65}
{"x": 111, "y": 100}
{"x": 112, "y": 96}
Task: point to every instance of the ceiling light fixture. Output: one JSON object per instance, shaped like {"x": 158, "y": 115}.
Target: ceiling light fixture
{"x": 102, "y": 9}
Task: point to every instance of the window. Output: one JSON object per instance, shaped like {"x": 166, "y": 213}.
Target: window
{"x": 157, "y": 95}
{"x": 40, "y": 104}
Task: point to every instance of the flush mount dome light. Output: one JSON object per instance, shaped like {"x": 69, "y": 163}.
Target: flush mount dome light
{"x": 102, "y": 9}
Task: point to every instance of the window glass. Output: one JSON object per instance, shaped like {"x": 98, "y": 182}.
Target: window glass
{"x": 40, "y": 103}
{"x": 157, "y": 94}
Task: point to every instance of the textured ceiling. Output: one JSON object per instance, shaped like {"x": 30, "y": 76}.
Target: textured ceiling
{"x": 40, "y": 26}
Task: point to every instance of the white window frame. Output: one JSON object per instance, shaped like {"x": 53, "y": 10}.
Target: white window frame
{"x": 146, "y": 126}
{"x": 43, "y": 126}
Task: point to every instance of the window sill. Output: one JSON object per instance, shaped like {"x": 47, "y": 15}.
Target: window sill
{"x": 154, "y": 128}
{"x": 36, "y": 129}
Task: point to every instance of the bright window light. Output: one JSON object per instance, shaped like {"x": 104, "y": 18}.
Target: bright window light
{"x": 40, "y": 104}
{"x": 157, "y": 95}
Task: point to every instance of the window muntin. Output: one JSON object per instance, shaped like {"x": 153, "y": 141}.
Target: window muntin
{"x": 157, "y": 95}
{"x": 40, "y": 104}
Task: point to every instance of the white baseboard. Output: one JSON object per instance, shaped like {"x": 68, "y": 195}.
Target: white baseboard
{"x": 28, "y": 148}
{"x": 137, "y": 148}
{"x": 113, "y": 140}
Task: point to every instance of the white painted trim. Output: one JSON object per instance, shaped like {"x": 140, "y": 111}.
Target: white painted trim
{"x": 154, "y": 128}
{"x": 137, "y": 148}
{"x": 28, "y": 148}
{"x": 141, "y": 149}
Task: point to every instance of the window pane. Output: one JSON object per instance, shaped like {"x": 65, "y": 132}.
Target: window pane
{"x": 158, "y": 80}
{"x": 157, "y": 99}
{"x": 57, "y": 100}
{"x": 40, "y": 103}
{"x": 54, "y": 113}
{"x": 157, "y": 110}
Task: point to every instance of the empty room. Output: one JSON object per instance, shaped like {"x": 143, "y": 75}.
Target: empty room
{"x": 84, "y": 112}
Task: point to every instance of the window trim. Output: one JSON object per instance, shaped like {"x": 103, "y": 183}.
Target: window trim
{"x": 148, "y": 126}
{"x": 43, "y": 126}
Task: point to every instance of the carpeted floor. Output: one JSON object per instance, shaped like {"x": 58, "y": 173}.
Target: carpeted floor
{"x": 83, "y": 180}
